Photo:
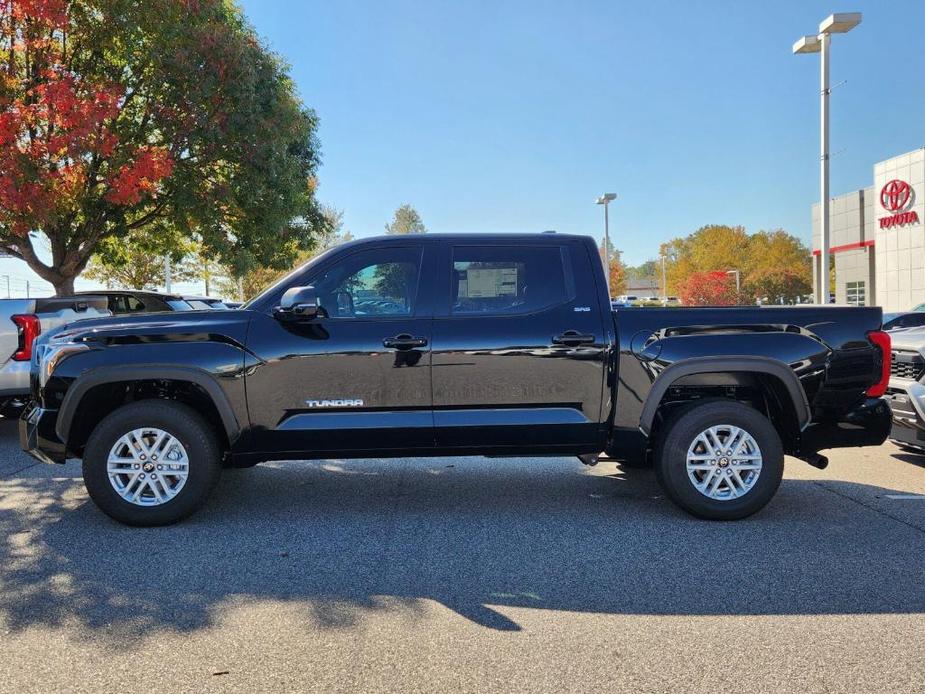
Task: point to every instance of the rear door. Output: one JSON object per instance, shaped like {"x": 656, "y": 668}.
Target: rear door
{"x": 518, "y": 347}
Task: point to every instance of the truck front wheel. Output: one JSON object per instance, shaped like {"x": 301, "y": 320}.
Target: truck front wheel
{"x": 152, "y": 462}
{"x": 719, "y": 460}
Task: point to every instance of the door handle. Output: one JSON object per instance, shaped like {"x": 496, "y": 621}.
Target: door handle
{"x": 404, "y": 341}
{"x": 573, "y": 338}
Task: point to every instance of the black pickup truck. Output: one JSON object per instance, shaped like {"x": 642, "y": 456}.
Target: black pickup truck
{"x": 445, "y": 345}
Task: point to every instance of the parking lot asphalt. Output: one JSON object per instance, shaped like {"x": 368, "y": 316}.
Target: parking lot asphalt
{"x": 466, "y": 574}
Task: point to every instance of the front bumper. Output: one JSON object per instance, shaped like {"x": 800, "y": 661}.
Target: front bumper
{"x": 37, "y": 435}
{"x": 866, "y": 424}
{"x": 907, "y": 402}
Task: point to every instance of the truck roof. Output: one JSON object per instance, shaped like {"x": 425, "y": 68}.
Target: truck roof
{"x": 476, "y": 236}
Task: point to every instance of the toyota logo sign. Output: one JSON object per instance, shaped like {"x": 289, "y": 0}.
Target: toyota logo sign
{"x": 895, "y": 195}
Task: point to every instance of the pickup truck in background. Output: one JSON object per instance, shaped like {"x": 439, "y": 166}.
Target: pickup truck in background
{"x": 21, "y": 321}
{"x": 443, "y": 345}
{"x": 906, "y": 392}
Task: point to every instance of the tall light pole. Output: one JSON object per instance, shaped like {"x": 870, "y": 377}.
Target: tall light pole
{"x": 605, "y": 200}
{"x": 838, "y": 23}
{"x": 738, "y": 288}
{"x": 664, "y": 279}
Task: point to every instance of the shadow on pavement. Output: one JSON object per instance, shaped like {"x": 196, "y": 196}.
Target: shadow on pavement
{"x": 910, "y": 457}
{"x": 342, "y": 539}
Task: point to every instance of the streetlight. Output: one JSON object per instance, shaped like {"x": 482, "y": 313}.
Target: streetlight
{"x": 605, "y": 200}
{"x": 736, "y": 273}
{"x": 664, "y": 280}
{"x": 838, "y": 23}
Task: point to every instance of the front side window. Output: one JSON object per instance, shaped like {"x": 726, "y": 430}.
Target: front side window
{"x": 376, "y": 283}
{"x": 508, "y": 280}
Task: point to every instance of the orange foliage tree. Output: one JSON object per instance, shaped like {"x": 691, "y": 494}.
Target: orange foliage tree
{"x": 709, "y": 289}
{"x": 118, "y": 116}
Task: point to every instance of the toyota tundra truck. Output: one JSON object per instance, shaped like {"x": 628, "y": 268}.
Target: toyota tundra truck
{"x": 448, "y": 345}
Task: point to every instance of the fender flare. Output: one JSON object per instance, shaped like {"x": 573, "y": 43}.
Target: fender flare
{"x": 699, "y": 365}
{"x": 114, "y": 374}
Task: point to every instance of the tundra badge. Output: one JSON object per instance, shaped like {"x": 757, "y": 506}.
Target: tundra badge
{"x": 340, "y": 402}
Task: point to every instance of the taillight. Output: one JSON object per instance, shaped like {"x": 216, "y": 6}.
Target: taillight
{"x": 29, "y": 329}
{"x": 881, "y": 340}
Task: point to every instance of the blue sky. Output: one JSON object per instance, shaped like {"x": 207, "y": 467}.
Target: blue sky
{"x": 514, "y": 116}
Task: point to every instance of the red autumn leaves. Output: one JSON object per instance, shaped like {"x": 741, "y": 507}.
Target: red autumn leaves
{"x": 709, "y": 289}
{"x": 58, "y": 137}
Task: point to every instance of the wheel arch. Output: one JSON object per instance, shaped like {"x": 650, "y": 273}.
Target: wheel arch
{"x": 71, "y": 426}
{"x": 767, "y": 372}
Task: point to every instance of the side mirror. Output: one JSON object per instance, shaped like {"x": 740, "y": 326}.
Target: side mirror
{"x": 300, "y": 303}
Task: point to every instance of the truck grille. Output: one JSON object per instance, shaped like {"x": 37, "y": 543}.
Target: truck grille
{"x": 908, "y": 365}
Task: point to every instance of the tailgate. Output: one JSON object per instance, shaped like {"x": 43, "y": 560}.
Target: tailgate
{"x": 57, "y": 311}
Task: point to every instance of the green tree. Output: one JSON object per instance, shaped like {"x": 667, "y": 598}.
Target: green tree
{"x": 256, "y": 279}
{"x": 119, "y": 117}
{"x": 406, "y": 220}
{"x": 137, "y": 261}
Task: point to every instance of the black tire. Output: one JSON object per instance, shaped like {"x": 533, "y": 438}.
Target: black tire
{"x": 679, "y": 433}
{"x": 179, "y": 420}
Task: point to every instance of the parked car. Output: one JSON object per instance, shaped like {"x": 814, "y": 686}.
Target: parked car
{"x": 898, "y": 321}
{"x": 671, "y": 301}
{"x": 129, "y": 301}
{"x": 906, "y": 392}
{"x": 489, "y": 344}
{"x": 23, "y": 320}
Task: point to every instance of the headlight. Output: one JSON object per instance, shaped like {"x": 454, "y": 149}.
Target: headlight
{"x": 50, "y": 353}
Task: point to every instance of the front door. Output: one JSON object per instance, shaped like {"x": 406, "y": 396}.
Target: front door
{"x": 356, "y": 378}
{"x": 518, "y": 359}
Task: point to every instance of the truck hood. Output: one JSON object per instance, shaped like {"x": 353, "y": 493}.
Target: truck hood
{"x": 184, "y": 326}
{"x": 908, "y": 339}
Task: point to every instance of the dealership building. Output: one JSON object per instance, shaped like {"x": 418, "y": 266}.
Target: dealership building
{"x": 877, "y": 237}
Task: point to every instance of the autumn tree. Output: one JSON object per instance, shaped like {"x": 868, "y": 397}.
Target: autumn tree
{"x": 711, "y": 248}
{"x": 617, "y": 269}
{"x": 779, "y": 267}
{"x": 406, "y": 220}
{"x": 773, "y": 265}
{"x": 120, "y": 117}
{"x": 709, "y": 289}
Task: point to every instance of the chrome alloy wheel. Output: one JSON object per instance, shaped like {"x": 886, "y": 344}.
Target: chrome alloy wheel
{"x": 147, "y": 467}
{"x": 723, "y": 462}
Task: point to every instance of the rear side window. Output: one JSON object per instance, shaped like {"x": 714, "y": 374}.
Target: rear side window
{"x": 509, "y": 280}
{"x": 122, "y": 303}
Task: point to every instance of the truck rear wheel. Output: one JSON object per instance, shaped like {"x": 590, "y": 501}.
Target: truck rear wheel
{"x": 719, "y": 460}
{"x": 152, "y": 462}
